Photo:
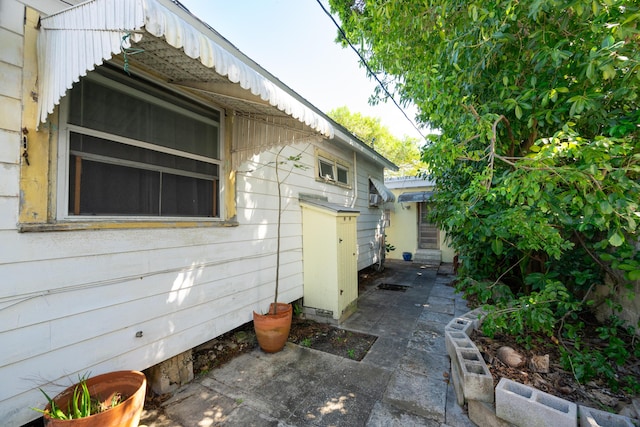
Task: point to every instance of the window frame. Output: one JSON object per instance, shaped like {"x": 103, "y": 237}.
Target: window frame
{"x": 373, "y": 191}
{"x": 138, "y": 90}
{"x": 335, "y": 164}
{"x": 386, "y": 218}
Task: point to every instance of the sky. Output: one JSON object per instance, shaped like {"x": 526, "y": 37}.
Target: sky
{"x": 294, "y": 41}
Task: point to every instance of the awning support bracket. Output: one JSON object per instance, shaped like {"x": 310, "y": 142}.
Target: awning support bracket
{"x": 128, "y": 51}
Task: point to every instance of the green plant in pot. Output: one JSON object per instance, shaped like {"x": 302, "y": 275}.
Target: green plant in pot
{"x": 111, "y": 399}
{"x": 272, "y": 329}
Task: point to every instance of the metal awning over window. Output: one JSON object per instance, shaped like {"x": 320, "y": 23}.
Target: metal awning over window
{"x": 164, "y": 38}
{"x": 415, "y": 197}
{"x": 385, "y": 193}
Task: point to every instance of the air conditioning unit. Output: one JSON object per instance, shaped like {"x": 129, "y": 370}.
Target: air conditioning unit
{"x": 374, "y": 199}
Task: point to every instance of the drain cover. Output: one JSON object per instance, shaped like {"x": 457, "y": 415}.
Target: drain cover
{"x": 392, "y": 287}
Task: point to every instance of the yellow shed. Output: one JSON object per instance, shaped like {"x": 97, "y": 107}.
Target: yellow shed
{"x": 330, "y": 258}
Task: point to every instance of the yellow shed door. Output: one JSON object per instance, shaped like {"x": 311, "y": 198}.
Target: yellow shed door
{"x": 347, "y": 261}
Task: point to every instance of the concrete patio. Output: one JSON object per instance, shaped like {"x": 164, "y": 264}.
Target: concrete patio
{"x": 402, "y": 381}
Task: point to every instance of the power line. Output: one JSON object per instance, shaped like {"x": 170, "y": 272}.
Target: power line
{"x": 371, "y": 73}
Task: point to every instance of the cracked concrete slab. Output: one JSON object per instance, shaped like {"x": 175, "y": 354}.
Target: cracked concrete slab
{"x": 402, "y": 381}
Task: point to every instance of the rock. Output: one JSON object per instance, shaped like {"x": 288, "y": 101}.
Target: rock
{"x": 636, "y": 406}
{"x": 510, "y": 357}
{"x": 605, "y": 399}
{"x": 565, "y": 389}
{"x": 628, "y": 411}
{"x": 539, "y": 364}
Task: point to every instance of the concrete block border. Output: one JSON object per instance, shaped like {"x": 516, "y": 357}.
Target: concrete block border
{"x": 515, "y": 404}
{"x": 590, "y": 417}
{"x": 474, "y": 375}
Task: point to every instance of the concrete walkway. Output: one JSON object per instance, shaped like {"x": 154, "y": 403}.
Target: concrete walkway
{"x": 402, "y": 381}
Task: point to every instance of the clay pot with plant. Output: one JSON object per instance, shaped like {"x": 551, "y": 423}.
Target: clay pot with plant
{"x": 109, "y": 400}
{"x": 272, "y": 329}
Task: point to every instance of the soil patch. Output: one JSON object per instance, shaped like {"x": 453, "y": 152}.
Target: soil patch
{"x": 304, "y": 332}
{"x": 324, "y": 337}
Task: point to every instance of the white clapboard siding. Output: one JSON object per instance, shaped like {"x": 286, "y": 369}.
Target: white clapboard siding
{"x": 78, "y": 258}
{"x": 157, "y": 268}
{"x": 72, "y": 301}
{"x": 63, "y": 270}
{"x": 79, "y": 297}
{"x": 9, "y": 147}
{"x": 9, "y": 184}
{"x": 155, "y": 330}
{"x": 104, "y": 342}
{"x": 370, "y": 219}
{"x": 8, "y": 215}
{"x": 44, "y": 245}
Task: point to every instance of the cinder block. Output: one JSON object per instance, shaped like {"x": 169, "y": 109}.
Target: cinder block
{"x": 476, "y": 316}
{"x": 167, "y": 376}
{"x": 456, "y": 339}
{"x": 460, "y": 324}
{"x": 526, "y": 406}
{"x": 475, "y": 377}
{"x": 456, "y": 379}
{"x": 590, "y": 417}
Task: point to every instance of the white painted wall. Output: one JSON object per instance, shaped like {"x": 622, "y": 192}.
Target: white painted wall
{"x": 72, "y": 302}
{"x": 370, "y": 221}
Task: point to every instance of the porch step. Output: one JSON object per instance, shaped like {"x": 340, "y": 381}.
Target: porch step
{"x": 428, "y": 256}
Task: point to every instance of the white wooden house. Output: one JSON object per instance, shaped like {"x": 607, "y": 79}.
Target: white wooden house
{"x": 138, "y": 197}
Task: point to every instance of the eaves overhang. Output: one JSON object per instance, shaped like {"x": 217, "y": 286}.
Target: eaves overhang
{"x": 348, "y": 140}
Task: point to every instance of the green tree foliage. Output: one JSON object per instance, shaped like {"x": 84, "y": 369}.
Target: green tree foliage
{"x": 537, "y": 162}
{"x": 405, "y": 152}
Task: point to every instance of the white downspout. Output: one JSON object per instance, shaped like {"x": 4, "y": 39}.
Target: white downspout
{"x": 355, "y": 180}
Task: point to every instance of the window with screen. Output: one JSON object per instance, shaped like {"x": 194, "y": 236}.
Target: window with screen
{"x": 133, "y": 150}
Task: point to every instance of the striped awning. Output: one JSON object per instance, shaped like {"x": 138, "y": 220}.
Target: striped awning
{"x": 415, "y": 197}
{"x": 385, "y": 193}
{"x": 76, "y": 40}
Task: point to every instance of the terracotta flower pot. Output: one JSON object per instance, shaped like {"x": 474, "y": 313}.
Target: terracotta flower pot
{"x": 132, "y": 385}
{"x": 272, "y": 330}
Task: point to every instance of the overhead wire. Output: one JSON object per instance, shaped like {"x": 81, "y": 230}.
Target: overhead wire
{"x": 369, "y": 70}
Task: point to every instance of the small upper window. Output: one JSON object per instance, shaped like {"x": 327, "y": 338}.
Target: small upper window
{"x": 326, "y": 170}
{"x": 333, "y": 171}
{"x": 343, "y": 174}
